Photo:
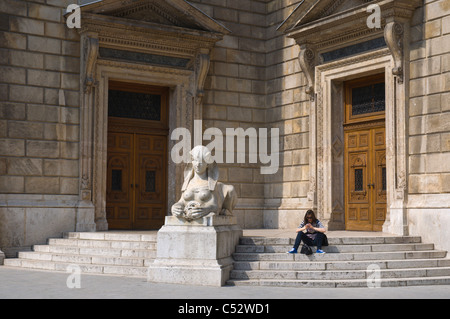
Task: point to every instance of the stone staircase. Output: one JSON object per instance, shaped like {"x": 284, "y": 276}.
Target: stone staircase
{"x": 401, "y": 261}
{"x": 111, "y": 253}
{"x": 259, "y": 260}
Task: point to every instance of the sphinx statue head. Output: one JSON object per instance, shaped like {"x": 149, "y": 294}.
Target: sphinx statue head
{"x": 202, "y": 165}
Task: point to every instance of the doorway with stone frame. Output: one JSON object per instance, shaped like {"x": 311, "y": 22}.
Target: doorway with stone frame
{"x": 330, "y": 140}
{"x": 136, "y": 182}
{"x": 338, "y": 45}
{"x": 165, "y": 44}
{"x": 365, "y": 189}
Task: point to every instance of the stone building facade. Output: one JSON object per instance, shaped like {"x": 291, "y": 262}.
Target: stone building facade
{"x": 292, "y": 65}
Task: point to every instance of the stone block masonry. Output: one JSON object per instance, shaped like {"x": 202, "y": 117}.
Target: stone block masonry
{"x": 39, "y": 75}
{"x": 39, "y": 123}
{"x": 255, "y": 81}
{"x": 429, "y": 110}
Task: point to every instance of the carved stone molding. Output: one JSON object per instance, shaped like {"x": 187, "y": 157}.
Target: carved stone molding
{"x": 401, "y": 185}
{"x": 312, "y": 189}
{"x": 307, "y": 59}
{"x": 90, "y": 55}
{"x": 337, "y": 147}
{"x": 394, "y": 36}
{"x": 202, "y": 64}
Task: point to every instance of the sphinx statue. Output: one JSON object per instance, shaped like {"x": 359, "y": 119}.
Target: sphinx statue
{"x": 202, "y": 194}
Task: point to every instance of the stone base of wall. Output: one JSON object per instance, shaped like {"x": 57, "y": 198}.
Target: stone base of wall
{"x": 28, "y": 220}
{"x": 429, "y": 217}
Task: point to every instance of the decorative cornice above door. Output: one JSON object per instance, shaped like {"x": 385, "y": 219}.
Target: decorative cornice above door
{"x": 163, "y": 28}
{"x": 326, "y": 29}
{"x": 172, "y": 13}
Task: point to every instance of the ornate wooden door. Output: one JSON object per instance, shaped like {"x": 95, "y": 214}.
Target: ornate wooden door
{"x": 136, "y": 194}
{"x": 365, "y": 170}
{"x": 365, "y": 154}
{"x": 136, "y": 182}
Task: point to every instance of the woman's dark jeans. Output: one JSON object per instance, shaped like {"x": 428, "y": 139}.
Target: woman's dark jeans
{"x": 301, "y": 236}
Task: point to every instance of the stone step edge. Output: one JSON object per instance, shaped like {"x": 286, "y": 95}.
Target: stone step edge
{"x": 323, "y": 265}
{"x": 342, "y": 283}
{"x": 285, "y": 256}
{"x": 110, "y": 236}
{"x": 85, "y": 268}
{"x": 43, "y": 256}
{"x": 43, "y": 249}
{"x": 330, "y": 247}
{"x": 384, "y": 273}
{"x": 94, "y": 243}
{"x": 257, "y": 240}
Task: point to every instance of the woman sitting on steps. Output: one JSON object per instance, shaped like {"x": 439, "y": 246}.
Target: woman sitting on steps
{"x": 314, "y": 236}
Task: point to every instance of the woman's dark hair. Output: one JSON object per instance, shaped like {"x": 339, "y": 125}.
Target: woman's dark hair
{"x": 310, "y": 213}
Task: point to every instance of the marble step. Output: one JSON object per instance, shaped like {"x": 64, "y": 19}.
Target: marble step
{"x": 115, "y": 236}
{"x": 395, "y": 255}
{"x": 341, "y": 265}
{"x": 255, "y": 240}
{"x": 350, "y": 283}
{"x": 87, "y": 259}
{"x": 337, "y": 248}
{"x": 340, "y": 274}
{"x": 115, "y": 244}
{"x": 75, "y": 250}
{"x": 122, "y": 270}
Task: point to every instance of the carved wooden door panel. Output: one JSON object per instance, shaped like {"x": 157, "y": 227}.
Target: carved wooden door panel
{"x": 379, "y": 177}
{"x": 136, "y": 182}
{"x": 120, "y": 169}
{"x": 365, "y": 182}
{"x": 150, "y": 177}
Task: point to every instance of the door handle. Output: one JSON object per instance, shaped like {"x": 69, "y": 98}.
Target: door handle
{"x": 371, "y": 185}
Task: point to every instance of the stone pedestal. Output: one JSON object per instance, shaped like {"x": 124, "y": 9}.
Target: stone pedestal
{"x": 2, "y": 257}
{"x": 197, "y": 252}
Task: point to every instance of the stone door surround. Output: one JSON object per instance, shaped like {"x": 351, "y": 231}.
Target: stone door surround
{"x": 164, "y": 44}
{"x": 326, "y": 29}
